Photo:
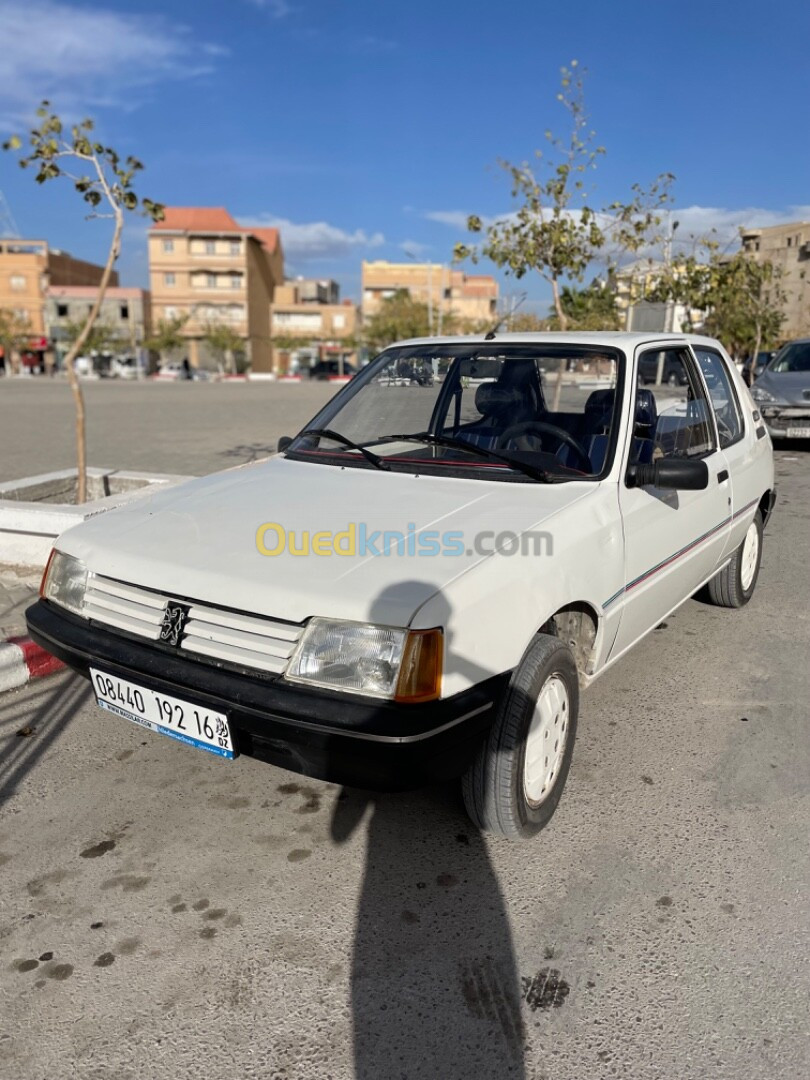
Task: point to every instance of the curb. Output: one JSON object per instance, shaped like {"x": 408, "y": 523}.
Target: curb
{"x": 22, "y": 660}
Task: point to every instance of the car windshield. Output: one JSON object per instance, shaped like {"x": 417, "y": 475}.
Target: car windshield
{"x": 514, "y": 412}
{"x": 792, "y": 358}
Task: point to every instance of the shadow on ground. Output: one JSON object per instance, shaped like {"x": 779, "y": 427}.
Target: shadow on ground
{"x": 434, "y": 984}
{"x": 31, "y": 722}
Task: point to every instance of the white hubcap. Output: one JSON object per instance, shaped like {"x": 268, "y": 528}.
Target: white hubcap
{"x": 750, "y": 555}
{"x": 545, "y": 744}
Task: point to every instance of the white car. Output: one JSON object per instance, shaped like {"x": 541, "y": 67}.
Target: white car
{"x": 419, "y": 585}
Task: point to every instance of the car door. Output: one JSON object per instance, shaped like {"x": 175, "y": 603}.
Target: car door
{"x": 674, "y": 540}
{"x": 738, "y": 439}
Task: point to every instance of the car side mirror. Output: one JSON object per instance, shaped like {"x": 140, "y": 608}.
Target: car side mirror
{"x": 283, "y": 443}
{"x": 682, "y": 474}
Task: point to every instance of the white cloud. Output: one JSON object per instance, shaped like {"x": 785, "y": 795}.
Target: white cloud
{"x": 317, "y": 239}
{"x": 693, "y": 221}
{"x": 455, "y": 219}
{"x": 696, "y": 221}
{"x": 79, "y": 58}
{"x": 277, "y": 9}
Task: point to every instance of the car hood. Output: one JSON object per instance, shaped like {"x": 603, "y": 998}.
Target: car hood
{"x": 198, "y": 540}
{"x": 790, "y": 386}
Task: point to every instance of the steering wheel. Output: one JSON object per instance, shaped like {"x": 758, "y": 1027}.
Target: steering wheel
{"x": 528, "y": 426}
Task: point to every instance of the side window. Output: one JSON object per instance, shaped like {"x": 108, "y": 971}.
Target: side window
{"x": 723, "y": 394}
{"x": 675, "y": 410}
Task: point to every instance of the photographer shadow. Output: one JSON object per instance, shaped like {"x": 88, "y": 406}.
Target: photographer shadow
{"x": 435, "y": 990}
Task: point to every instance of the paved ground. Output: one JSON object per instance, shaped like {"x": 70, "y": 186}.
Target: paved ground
{"x": 163, "y": 914}
{"x": 210, "y": 425}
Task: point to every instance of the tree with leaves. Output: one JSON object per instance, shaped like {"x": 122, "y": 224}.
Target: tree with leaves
{"x": 555, "y": 230}
{"x": 167, "y": 335}
{"x": 103, "y": 179}
{"x": 747, "y": 305}
{"x": 399, "y": 317}
{"x": 102, "y": 337}
{"x": 15, "y": 334}
{"x": 591, "y": 308}
{"x": 736, "y": 299}
{"x": 226, "y": 344}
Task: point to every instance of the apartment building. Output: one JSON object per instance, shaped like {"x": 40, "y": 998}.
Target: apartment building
{"x": 28, "y": 268}
{"x": 788, "y": 248}
{"x": 309, "y": 311}
{"x": 470, "y": 299}
{"x": 127, "y": 312}
{"x": 206, "y": 268}
{"x": 632, "y": 285}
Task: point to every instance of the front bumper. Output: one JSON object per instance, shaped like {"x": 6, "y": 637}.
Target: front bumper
{"x": 343, "y": 738}
{"x": 781, "y": 419}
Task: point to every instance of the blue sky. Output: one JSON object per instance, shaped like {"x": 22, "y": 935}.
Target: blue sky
{"x": 367, "y": 128}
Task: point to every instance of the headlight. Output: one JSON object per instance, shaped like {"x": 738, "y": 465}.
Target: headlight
{"x": 378, "y": 661}
{"x": 64, "y": 582}
{"x": 759, "y": 393}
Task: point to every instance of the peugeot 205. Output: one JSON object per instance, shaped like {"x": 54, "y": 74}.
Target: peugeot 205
{"x": 420, "y": 583}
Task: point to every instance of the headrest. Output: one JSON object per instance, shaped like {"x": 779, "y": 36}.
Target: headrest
{"x": 600, "y": 401}
{"x": 491, "y": 399}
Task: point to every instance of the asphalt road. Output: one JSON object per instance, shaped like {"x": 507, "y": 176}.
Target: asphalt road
{"x": 166, "y": 914}
{"x": 171, "y": 427}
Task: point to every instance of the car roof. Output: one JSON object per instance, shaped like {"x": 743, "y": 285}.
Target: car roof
{"x": 620, "y": 339}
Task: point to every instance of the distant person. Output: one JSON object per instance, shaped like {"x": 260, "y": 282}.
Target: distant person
{"x": 186, "y": 367}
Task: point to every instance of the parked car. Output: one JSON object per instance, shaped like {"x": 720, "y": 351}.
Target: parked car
{"x": 326, "y": 369}
{"x": 671, "y": 373}
{"x": 421, "y": 584}
{"x": 753, "y": 366}
{"x": 782, "y": 392}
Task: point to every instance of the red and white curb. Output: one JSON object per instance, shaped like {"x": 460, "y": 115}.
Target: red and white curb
{"x": 22, "y": 660}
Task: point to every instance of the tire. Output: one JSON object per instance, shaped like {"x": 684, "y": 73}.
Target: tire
{"x": 501, "y": 794}
{"x": 734, "y": 586}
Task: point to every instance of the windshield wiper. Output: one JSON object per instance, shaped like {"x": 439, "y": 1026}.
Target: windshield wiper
{"x": 461, "y": 444}
{"x": 327, "y": 433}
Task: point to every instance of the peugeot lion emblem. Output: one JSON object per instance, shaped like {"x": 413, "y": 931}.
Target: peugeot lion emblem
{"x": 174, "y": 619}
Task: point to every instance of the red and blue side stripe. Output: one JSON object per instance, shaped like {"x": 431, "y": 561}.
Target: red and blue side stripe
{"x": 678, "y": 554}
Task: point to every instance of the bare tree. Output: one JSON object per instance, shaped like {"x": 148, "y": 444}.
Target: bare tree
{"x": 102, "y": 178}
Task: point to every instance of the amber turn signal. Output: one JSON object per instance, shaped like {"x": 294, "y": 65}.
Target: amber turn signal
{"x": 420, "y": 672}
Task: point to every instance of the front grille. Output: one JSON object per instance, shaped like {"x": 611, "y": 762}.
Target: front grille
{"x": 243, "y": 640}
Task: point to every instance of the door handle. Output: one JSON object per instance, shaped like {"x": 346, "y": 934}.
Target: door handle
{"x": 722, "y": 476}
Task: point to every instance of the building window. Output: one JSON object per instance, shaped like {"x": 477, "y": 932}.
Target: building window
{"x": 168, "y": 279}
{"x": 236, "y": 247}
{"x": 61, "y": 311}
{"x": 211, "y": 281}
{"x": 297, "y": 320}
{"x": 790, "y": 241}
{"x": 236, "y": 281}
{"x": 168, "y": 245}
{"x": 17, "y": 282}
{"x": 170, "y": 313}
{"x": 210, "y": 247}
{"x": 124, "y": 311}
{"x": 339, "y": 322}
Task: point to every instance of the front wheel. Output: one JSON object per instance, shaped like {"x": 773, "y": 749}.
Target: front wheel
{"x": 734, "y": 586}
{"x": 516, "y": 781}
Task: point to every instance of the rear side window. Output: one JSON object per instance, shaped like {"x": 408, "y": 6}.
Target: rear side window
{"x": 723, "y": 396}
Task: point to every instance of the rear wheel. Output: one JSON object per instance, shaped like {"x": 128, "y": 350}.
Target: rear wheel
{"x": 734, "y": 586}
{"x": 516, "y": 781}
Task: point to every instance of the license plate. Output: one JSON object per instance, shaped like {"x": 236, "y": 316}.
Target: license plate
{"x": 188, "y": 723}
{"x": 799, "y": 432}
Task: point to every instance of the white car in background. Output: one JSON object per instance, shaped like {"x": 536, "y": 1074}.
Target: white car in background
{"x": 420, "y": 584}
